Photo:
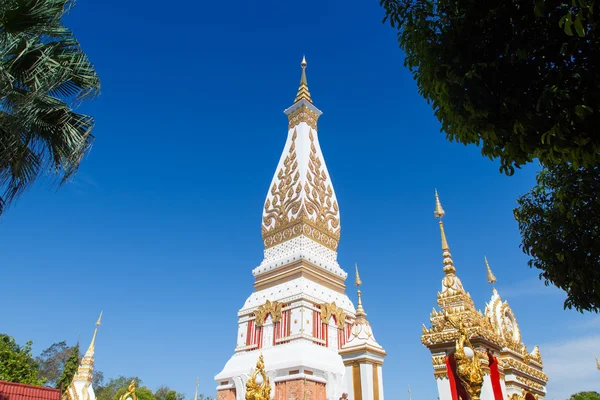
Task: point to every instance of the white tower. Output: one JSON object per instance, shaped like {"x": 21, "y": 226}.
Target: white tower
{"x": 363, "y": 357}
{"x": 299, "y": 316}
{"x": 81, "y": 385}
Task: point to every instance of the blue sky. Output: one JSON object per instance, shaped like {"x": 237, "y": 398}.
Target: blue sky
{"x": 161, "y": 227}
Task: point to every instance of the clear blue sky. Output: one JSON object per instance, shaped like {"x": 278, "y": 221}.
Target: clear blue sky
{"x": 161, "y": 227}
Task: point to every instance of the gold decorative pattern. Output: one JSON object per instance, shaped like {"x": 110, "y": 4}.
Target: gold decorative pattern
{"x": 254, "y": 390}
{"x": 529, "y": 383}
{"x": 303, "y": 93}
{"x": 303, "y": 114}
{"x": 273, "y": 308}
{"x": 331, "y": 309}
{"x": 294, "y": 209}
{"x": 524, "y": 368}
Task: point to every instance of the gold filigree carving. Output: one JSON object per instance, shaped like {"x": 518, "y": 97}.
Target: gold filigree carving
{"x": 255, "y": 390}
{"x": 302, "y": 114}
{"x": 329, "y": 310}
{"x": 524, "y": 368}
{"x": 294, "y": 209}
{"x": 273, "y": 308}
{"x": 320, "y": 204}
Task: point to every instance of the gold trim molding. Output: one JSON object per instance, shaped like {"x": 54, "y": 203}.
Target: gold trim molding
{"x": 303, "y": 114}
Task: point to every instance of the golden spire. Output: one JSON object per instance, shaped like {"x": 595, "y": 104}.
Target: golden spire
{"x": 303, "y": 92}
{"x": 357, "y": 280}
{"x": 439, "y": 213}
{"x": 360, "y": 311}
{"x": 597, "y": 363}
{"x": 93, "y": 343}
{"x": 490, "y": 275}
{"x": 409, "y": 393}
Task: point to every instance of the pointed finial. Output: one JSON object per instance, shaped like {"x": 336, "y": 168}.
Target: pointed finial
{"x": 447, "y": 257}
{"x": 196, "y": 395}
{"x": 439, "y": 211}
{"x": 303, "y": 93}
{"x": 490, "y": 275}
{"x": 99, "y": 319}
{"x": 93, "y": 342}
{"x": 597, "y": 363}
{"x": 357, "y": 280}
{"x": 409, "y": 393}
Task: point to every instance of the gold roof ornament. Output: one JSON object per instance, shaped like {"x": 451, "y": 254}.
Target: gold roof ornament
{"x": 597, "y": 363}
{"x": 468, "y": 365}
{"x": 196, "y": 395}
{"x": 360, "y": 311}
{"x": 440, "y": 213}
{"x": 303, "y": 93}
{"x": 256, "y": 390}
{"x": 357, "y": 281}
{"x": 491, "y": 278}
{"x": 130, "y": 393}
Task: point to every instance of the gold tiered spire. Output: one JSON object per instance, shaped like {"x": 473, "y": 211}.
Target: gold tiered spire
{"x": 491, "y": 278}
{"x": 440, "y": 213}
{"x": 360, "y": 311}
{"x": 86, "y": 368}
{"x": 303, "y": 92}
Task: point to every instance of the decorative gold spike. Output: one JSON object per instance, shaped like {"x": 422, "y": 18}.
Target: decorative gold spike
{"x": 439, "y": 211}
{"x": 359, "y": 309}
{"x": 196, "y": 395}
{"x": 357, "y": 280}
{"x": 303, "y": 93}
{"x": 93, "y": 342}
{"x": 409, "y": 393}
{"x": 447, "y": 257}
{"x": 597, "y": 363}
{"x": 490, "y": 275}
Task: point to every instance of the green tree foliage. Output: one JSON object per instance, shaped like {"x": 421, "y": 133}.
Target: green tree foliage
{"x": 505, "y": 76}
{"x": 52, "y": 362}
{"x": 165, "y": 393}
{"x": 69, "y": 370}
{"x": 559, "y": 221}
{"x": 585, "y": 396}
{"x": 44, "y": 74}
{"x": 17, "y": 363}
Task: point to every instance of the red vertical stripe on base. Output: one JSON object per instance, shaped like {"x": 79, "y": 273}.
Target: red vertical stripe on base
{"x": 452, "y": 379}
{"x": 495, "y": 378}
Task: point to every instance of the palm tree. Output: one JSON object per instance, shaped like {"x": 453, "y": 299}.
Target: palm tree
{"x": 44, "y": 75}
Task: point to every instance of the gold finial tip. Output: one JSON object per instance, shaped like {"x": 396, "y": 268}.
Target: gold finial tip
{"x": 303, "y": 64}
{"x": 439, "y": 211}
{"x": 357, "y": 280}
{"x": 99, "y": 319}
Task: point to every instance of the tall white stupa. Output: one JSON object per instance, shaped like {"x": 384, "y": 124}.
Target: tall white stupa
{"x": 316, "y": 345}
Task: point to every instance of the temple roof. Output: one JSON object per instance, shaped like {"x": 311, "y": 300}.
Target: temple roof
{"x": 19, "y": 391}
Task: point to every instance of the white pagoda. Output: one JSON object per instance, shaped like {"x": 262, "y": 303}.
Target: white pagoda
{"x": 315, "y": 344}
{"x": 80, "y": 387}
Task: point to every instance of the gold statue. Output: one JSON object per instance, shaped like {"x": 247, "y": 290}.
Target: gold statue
{"x": 254, "y": 390}
{"x": 468, "y": 368}
{"x": 130, "y": 393}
